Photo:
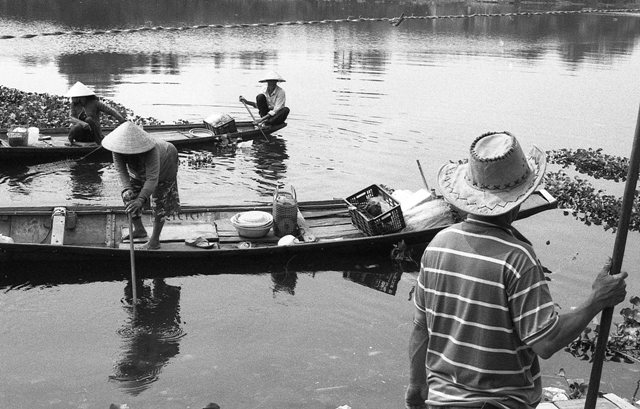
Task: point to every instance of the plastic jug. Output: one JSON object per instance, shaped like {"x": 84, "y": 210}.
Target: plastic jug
{"x": 34, "y": 134}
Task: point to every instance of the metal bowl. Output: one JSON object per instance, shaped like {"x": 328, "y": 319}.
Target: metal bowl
{"x": 252, "y": 224}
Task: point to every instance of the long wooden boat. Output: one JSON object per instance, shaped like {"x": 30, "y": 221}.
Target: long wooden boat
{"x": 90, "y": 239}
{"x": 51, "y": 145}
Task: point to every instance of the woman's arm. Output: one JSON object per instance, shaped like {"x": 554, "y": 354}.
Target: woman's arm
{"x": 110, "y": 111}
{"x": 74, "y": 114}
{"x": 152, "y": 173}
{"x": 123, "y": 171}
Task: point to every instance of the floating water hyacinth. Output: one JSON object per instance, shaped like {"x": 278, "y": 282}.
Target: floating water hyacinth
{"x": 580, "y": 198}
{"x": 50, "y": 111}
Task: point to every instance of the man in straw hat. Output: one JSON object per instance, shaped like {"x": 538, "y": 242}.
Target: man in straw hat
{"x": 148, "y": 170}
{"x": 272, "y": 102}
{"x": 85, "y": 114}
{"x": 483, "y": 310}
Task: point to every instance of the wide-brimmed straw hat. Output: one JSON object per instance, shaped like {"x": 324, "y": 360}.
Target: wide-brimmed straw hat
{"x": 129, "y": 139}
{"x": 79, "y": 90}
{"x": 272, "y": 76}
{"x": 496, "y": 178}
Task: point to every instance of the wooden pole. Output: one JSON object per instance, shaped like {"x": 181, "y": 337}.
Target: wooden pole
{"x": 134, "y": 286}
{"x": 616, "y": 263}
{"x": 254, "y": 120}
{"x": 422, "y": 174}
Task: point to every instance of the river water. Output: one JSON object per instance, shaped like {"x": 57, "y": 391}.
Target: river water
{"x": 367, "y": 100}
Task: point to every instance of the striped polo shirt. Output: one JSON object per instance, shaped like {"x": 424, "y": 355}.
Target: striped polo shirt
{"x": 483, "y": 297}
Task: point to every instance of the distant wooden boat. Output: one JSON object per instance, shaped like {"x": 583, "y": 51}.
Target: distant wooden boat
{"x": 90, "y": 239}
{"x": 51, "y": 146}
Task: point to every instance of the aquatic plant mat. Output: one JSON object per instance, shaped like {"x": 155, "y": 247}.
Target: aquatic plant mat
{"x": 579, "y": 197}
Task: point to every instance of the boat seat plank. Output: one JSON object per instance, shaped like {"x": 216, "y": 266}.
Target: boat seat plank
{"x": 178, "y": 232}
{"x": 320, "y": 214}
{"x": 229, "y": 235}
{"x": 329, "y": 222}
{"x": 329, "y": 232}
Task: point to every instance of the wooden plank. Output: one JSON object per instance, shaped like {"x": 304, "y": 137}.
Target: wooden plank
{"x": 58, "y": 220}
{"x": 579, "y": 404}
{"x": 174, "y": 246}
{"x": 175, "y": 232}
{"x": 618, "y": 401}
{"x": 342, "y": 231}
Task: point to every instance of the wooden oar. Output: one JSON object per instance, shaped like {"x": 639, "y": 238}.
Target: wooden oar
{"x": 66, "y": 162}
{"x": 254, "y": 119}
{"x": 133, "y": 261}
{"x": 616, "y": 263}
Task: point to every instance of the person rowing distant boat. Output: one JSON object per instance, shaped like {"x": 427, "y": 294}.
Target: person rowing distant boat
{"x": 84, "y": 114}
{"x": 271, "y": 103}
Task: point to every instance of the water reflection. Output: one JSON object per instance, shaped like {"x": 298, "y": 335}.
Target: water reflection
{"x": 151, "y": 336}
{"x": 105, "y": 69}
{"x": 270, "y": 159}
{"x": 284, "y": 283}
{"x": 86, "y": 180}
{"x": 15, "y": 179}
{"x": 384, "y": 282}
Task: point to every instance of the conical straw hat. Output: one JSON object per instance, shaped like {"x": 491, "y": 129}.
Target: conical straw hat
{"x": 497, "y": 177}
{"x": 79, "y": 90}
{"x": 272, "y": 76}
{"x": 129, "y": 139}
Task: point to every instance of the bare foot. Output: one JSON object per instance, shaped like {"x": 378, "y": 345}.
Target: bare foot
{"x": 137, "y": 234}
{"x": 148, "y": 246}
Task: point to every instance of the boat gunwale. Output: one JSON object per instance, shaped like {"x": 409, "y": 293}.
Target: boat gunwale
{"x": 339, "y": 204}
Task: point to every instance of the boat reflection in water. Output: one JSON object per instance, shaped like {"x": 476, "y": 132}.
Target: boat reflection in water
{"x": 151, "y": 336}
{"x": 284, "y": 283}
{"x": 384, "y": 282}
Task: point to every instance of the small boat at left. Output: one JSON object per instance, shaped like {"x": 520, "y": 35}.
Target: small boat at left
{"x": 52, "y": 142}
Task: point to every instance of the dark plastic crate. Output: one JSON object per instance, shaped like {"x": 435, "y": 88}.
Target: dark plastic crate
{"x": 229, "y": 127}
{"x": 390, "y": 221}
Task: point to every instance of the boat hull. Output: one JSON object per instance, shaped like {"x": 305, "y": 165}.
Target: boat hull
{"x": 89, "y": 242}
{"x": 183, "y": 136}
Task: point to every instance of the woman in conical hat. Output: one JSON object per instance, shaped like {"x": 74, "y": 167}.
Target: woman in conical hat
{"x": 85, "y": 114}
{"x": 148, "y": 170}
{"x": 271, "y": 103}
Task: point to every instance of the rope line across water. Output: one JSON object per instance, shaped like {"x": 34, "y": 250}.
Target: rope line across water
{"x": 391, "y": 20}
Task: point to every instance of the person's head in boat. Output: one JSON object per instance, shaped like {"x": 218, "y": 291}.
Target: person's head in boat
{"x": 147, "y": 168}
{"x": 80, "y": 93}
{"x": 131, "y": 142}
{"x": 272, "y": 79}
{"x": 84, "y": 114}
{"x": 271, "y": 103}
{"x": 496, "y": 178}
{"x": 129, "y": 139}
